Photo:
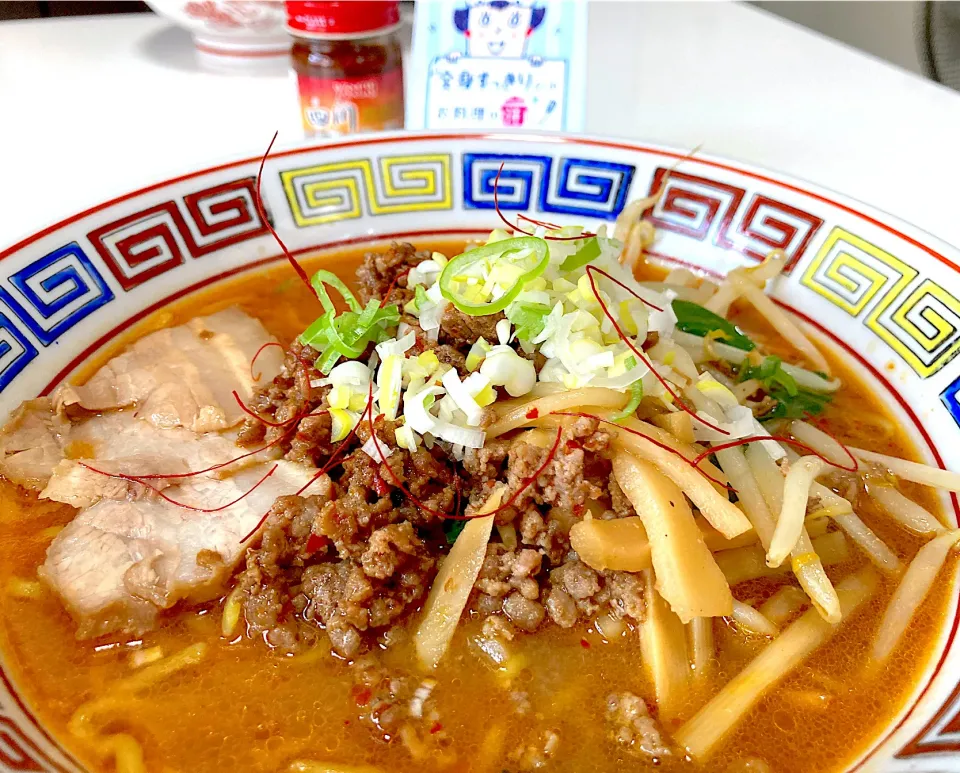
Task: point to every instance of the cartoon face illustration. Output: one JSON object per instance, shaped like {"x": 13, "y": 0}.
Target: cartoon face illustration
{"x": 498, "y": 27}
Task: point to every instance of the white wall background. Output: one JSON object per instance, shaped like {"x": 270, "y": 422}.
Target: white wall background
{"x": 884, "y": 29}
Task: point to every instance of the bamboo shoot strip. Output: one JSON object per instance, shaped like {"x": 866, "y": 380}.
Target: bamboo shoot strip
{"x": 453, "y": 583}
{"x": 687, "y": 576}
{"x": 717, "y": 509}
{"x": 523, "y": 413}
{"x": 663, "y": 643}
{"x": 701, "y": 734}
{"x": 620, "y": 544}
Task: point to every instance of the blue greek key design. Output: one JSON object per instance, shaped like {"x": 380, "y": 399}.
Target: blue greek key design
{"x": 16, "y": 350}
{"x": 522, "y": 182}
{"x": 590, "y": 188}
{"x": 950, "y": 400}
{"x": 54, "y": 293}
{"x": 575, "y": 186}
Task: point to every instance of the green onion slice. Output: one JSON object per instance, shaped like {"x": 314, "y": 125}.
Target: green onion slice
{"x": 517, "y": 261}
{"x": 347, "y": 334}
{"x": 636, "y": 395}
{"x": 589, "y": 250}
{"x": 695, "y": 319}
{"x": 528, "y": 318}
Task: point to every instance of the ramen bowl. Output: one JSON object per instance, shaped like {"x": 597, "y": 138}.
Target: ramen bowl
{"x": 878, "y": 291}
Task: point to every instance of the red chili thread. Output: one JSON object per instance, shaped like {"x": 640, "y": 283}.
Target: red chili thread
{"x": 399, "y": 484}
{"x": 267, "y": 345}
{"x": 171, "y": 500}
{"x": 585, "y": 644}
{"x": 533, "y": 413}
{"x": 656, "y": 442}
{"x": 833, "y": 437}
{"x": 645, "y": 361}
{"x": 541, "y": 223}
{"x": 779, "y": 439}
{"x": 330, "y": 462}
{"x": 250, "y": 412}
{"x": 496, "y": 206}
{"x": 590, "y": 267}
{"x": 263, "y": 217}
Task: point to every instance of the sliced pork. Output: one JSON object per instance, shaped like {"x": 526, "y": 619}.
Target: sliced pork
{"x": 121, "y": 443}
{"x": 32, "y": 443}
{"x": 120, "y": 563}
{"x": 183, "y": 376}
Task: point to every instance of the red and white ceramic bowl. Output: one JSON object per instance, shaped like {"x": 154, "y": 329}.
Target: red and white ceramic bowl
{"x": 879, "y": 290}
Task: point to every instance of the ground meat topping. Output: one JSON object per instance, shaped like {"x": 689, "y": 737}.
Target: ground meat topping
{"x": 632, "y": 726}
{"x": 356, "y": 562}
{"x": 382, "y": 272}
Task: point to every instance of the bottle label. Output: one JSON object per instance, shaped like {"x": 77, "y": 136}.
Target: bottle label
{"x": 332, "y": 107}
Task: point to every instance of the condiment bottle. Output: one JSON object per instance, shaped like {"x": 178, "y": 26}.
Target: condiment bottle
{"x": 348, "y": 66}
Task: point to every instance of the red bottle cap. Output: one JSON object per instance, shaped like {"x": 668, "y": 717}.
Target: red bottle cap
{"x": 341, "y": 19}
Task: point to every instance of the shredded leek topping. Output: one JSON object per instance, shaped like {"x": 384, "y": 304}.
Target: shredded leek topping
{"x": 346, "y": 334}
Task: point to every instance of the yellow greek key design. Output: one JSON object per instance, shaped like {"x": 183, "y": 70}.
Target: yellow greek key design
{"x": 411, "y": 183}
{"x": 850, "y": 272}
{"x": 924, "y": 329}
{"x": 330, "y": 192}
{"x": 326, "y": 193}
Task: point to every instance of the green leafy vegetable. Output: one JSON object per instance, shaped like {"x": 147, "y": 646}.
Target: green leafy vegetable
{"x": 694, "y": 319}
{"x": 791, "y": 401}
{"x": 452, "y": 529}
{"x": 514, "y": 261}
{"x": 528, "y": 318}
{"x": 588, "y": 250}
{"x": 636, "y": 395}
{"x": 420, "y": 296}
{"x": 771, "y": 373}
{"x": 346, "y": 334}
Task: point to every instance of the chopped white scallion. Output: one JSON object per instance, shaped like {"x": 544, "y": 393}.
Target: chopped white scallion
{"x": 376, "y": 449}
{"x": 504, "y": 367}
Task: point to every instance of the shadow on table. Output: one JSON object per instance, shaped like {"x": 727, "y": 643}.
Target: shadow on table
{"x": 171, "y": 47}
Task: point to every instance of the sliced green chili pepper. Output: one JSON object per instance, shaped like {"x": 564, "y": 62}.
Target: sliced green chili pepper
{"x": 534, "y": 253}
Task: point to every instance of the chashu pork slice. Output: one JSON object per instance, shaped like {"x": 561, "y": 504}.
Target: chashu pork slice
{"x": 119, "y": 563}
{"x": 184, "y": 376}
{"x": 32, "y": 443}
{"x": 120, "y": 442}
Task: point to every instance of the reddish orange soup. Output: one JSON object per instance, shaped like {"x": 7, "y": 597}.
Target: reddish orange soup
{"x": 248, "y": 709}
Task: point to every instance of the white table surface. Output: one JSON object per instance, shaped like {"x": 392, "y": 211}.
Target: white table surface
{"x": 94, "y": 107}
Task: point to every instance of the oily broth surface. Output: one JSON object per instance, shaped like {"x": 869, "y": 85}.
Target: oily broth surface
{"x": 245, "y": 709}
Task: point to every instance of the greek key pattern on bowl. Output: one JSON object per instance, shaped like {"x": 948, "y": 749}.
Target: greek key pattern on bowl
{"x": 575, "y": 186}
{"x": 327, "y": 193}
{"x": 922, "y": 324}
{"x": 145, "y": 244}
{"x": 705, "y": 210}
{"x": 56, "y": 292}
{"x": 18, "y": 752}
